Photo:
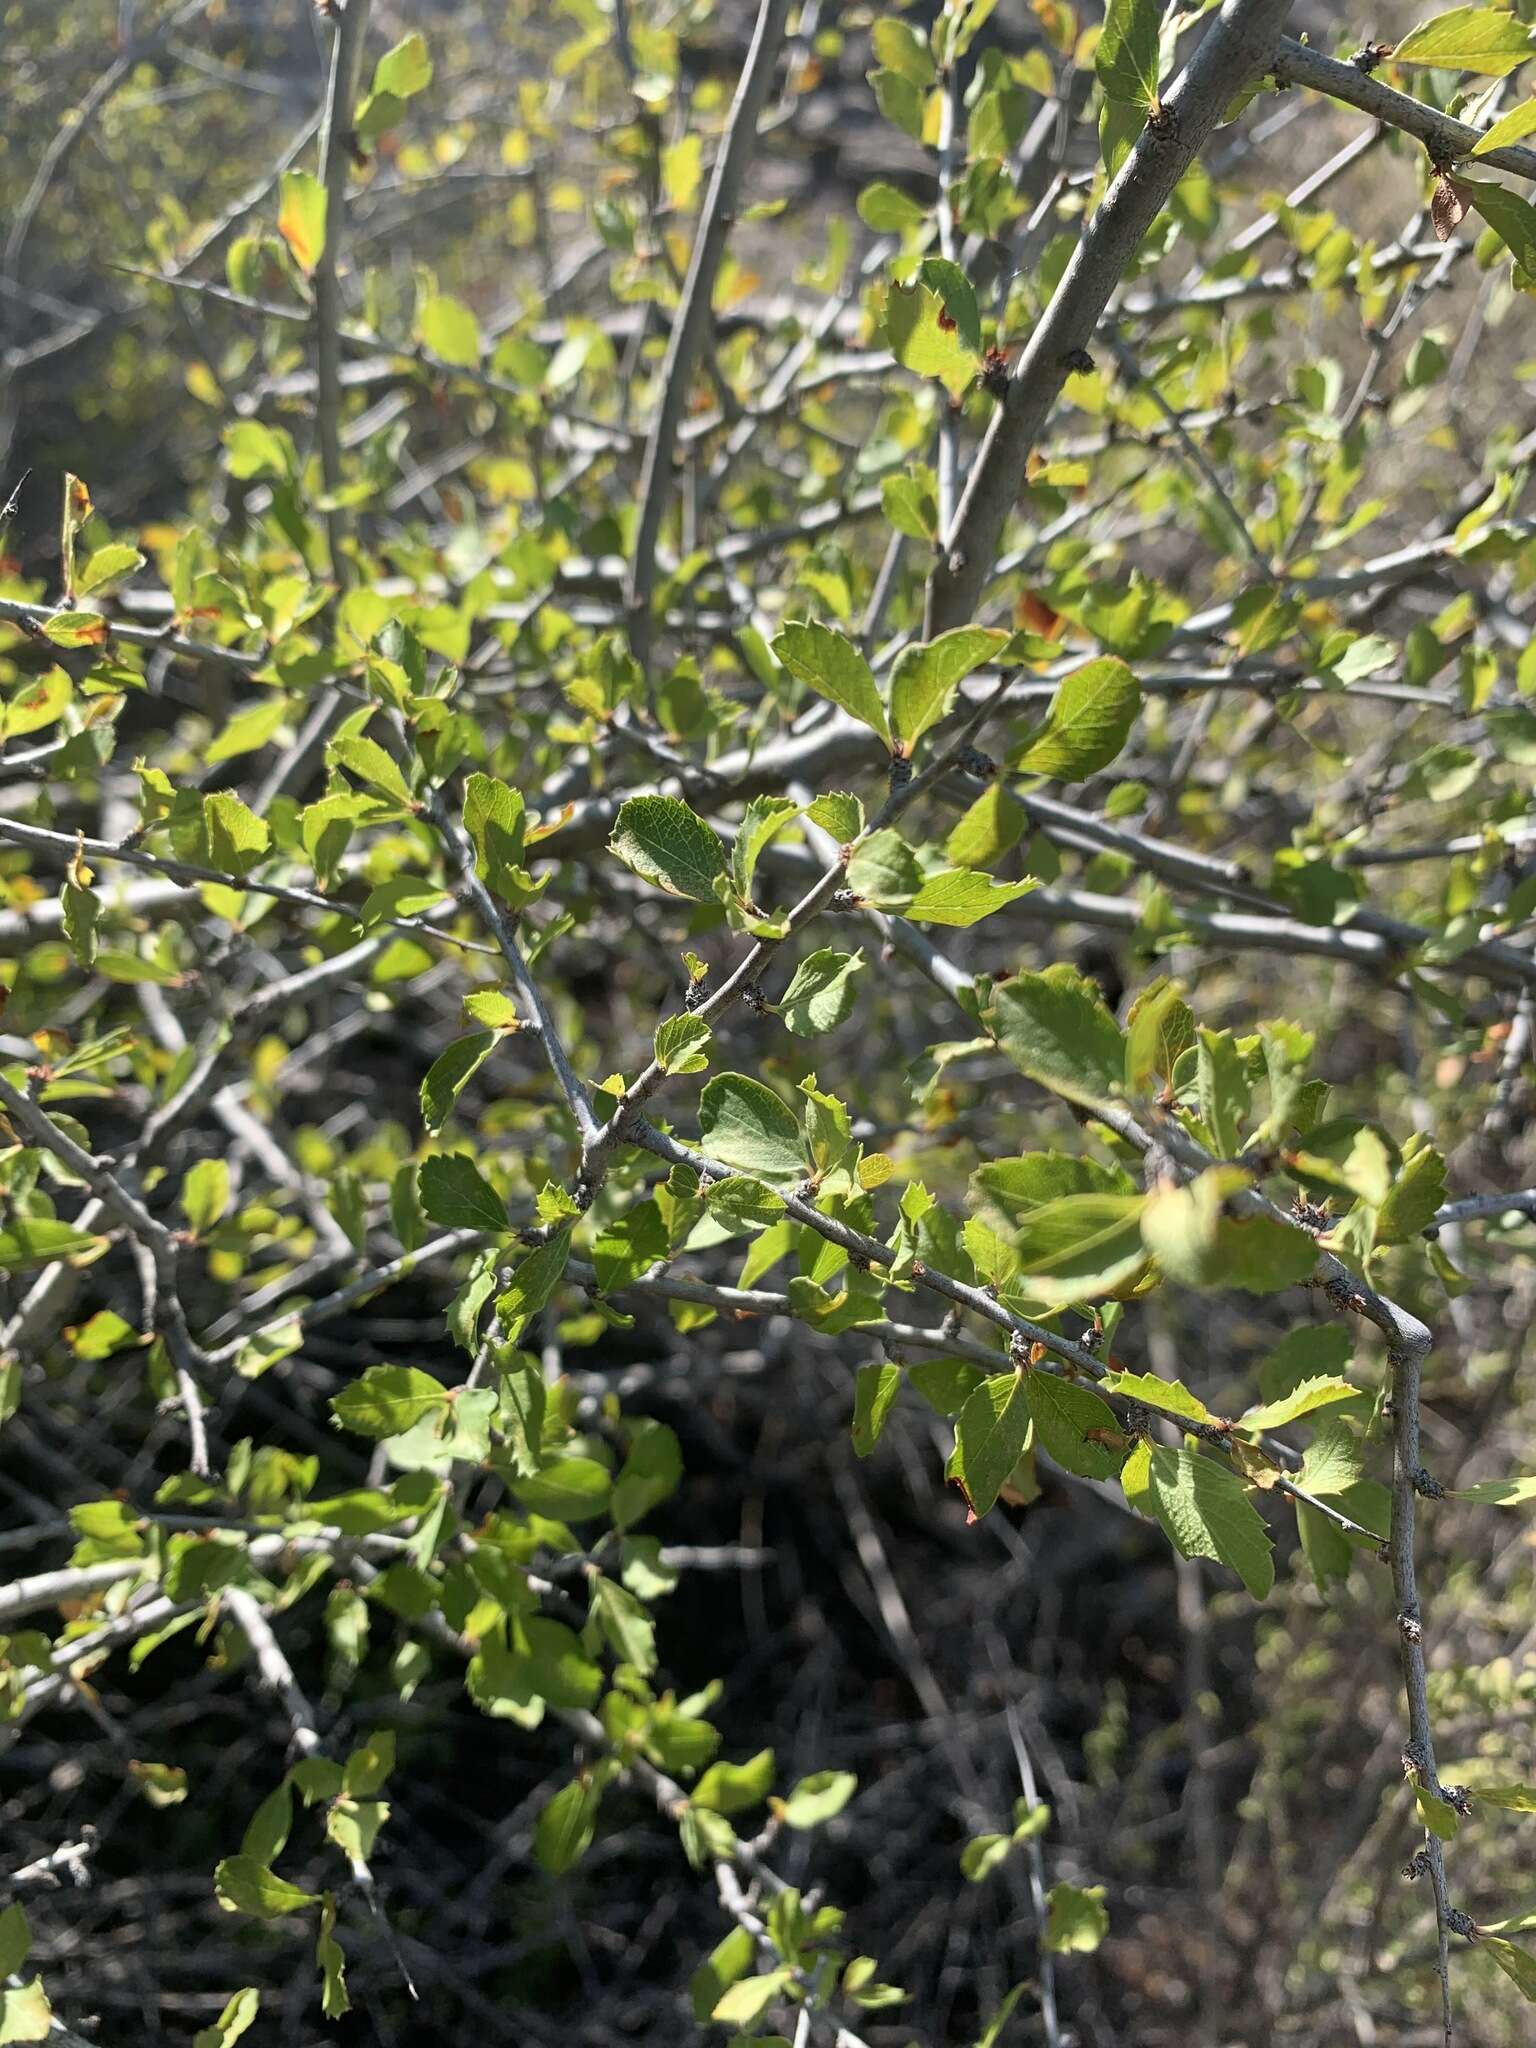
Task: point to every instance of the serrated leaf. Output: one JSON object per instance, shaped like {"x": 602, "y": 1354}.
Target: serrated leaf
{"x": 367, "y": 760}
{"x": 834, "y": 668}
{"x": 925, "y": 678}
{"x": 1301, "y": 1400}
{"x": 764, "y": 816}
{"x": 682, "y": 1044}
{"x": 1055, "y": 1028}
{"x": 237, "y": 839}
{"x": 1076, "y": 1428}
{"x": 1204, "y": 1509}
{"x": 1089, "y": 721}
{"x": 1489, "y": 40}
{"x": 669, "y": 845}
{"x": 387, "y": 1400}
{"x": 448, "y": 1073}
{"x": 1170, "y": 1397}
{"x": 454, "y": 1192}
{"x": 1080, "y": 1247}
{"x": 964, "y": 896}
{"x": 237, "y": 2018}
{"x": 990, "y": 1437}
{"x": 925, "y": 338}
{"x": 821, "y": 992}
{"x": 1517, "y": 1963}
{"x": 1077, "y": 1919}
{"x": 1499, "y": 1493}
{"x": 1126, "y": 60}
{"x": 1198, "y": 1245}
{"x": 874, "y": 1395}
{"x": 746, "y": 1126}
{"x": 534, "y": 1279}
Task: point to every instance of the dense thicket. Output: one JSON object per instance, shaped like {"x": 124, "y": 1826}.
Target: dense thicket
{"x": 767, "y": 873}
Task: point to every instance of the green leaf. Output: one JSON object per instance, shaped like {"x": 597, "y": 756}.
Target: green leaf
{"x": 963, "y": 896}
{"x": 448, "y": 328}
{"x": 205, "y": 1195}
{"x": 1332, "y": 1463}
{"x": 387, "y": 1400}
{"x": 301, "y": 218}
{"x": 15, "y": 1940}
{"x": 1127, "y": 56}
{"x": 242, "y": 1885}
{"x": 1198, "y": 1245}
{"x": 960, "y": 308}
{"x": 1160, "y": 1027}
{"x": 819, "y": 1798}
{"x": 732, "y": 1788}
{"x": 237, "y": 838}
{"x": 838, "y": 813}
{"x": 1512, "y": 218}
{"x": 1499, "y": 1493}
{"x": 449, "y": 1072}
{"x": 1511, "y": 1798}
{"x": 669, "y": 845}
{"x": 682, "y": 1044}
{"x": 925, "y": 678}
{"x": 237, "y": 2018}
{"x": 1415, "y": 1195}
{"x": 405, "y": 70}
{"x": 764, "y": 816}
{"x": 106, "y": 565}
{"x": 625, "y": 1624}
{"x": 1089, "y": 721}
{"x": 1075, "y": 1427}
{"x": 39, "y": 1240}
{"x": 25, "y": 2013}
{"x": 1302, "y": 1400}
{"x": 834, "y": 668}
{"x": 1055, "y": 1028}
{"x": 1170, "y": 1397}
{"x": 821, "y": 993}
{"x": 1516, "y": 1963}
{"x": 367, "y": 760}
{"x": 454, "y": 1192}
{"x": 1204, "y": 1509}
{"x": 925, "y": 338}
{"x": 248, "y": 729}
{"x": 1080, "y": 1247}
{"x": 1511, "y": 127}
{"x": 563, "y": 1832}
{"x": 567, "y": 1490}
{"x": 874, "y": 1394}
{"x": 883, "y": 871}
{"x": 1224, "y": 1094}
{"x": 1479, "y": 38}
{"x": 746, "y": 1126}
{"x": 1077, "y": 1919}
{"x": 982, "y": 1855}
{"x": 534, "y": 1280}
{"x": 990, "y": 1436}
{"x": 749, "y": 1999}
{"x": 887, "y": 210}
{"x": 1437, "y": 1814}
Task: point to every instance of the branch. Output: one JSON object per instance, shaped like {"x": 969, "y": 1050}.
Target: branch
{"x": 692, "y": 321}
{"x": 335, "y": 159}
{"x": 1445, "y": 139}
{"x": 1239, "y": 44}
